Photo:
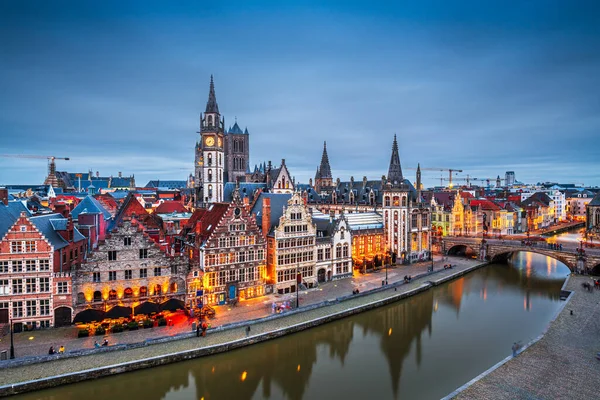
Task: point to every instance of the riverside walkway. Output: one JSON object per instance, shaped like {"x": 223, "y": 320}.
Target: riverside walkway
{"x": 561, "y": 365}
{"x": 18, "y": 379}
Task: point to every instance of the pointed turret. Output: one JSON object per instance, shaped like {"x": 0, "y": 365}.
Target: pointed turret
{"x": 324, "y": 168}
{"x": 211, "y": 104}
{"x": 395, "y": 171}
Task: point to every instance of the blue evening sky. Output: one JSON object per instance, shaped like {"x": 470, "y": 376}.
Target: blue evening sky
{"x": 486, "y": 86}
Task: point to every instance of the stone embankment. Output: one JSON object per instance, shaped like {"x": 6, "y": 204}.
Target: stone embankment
{"x": 18, "y": 377}
{"x": 560, "y": 364}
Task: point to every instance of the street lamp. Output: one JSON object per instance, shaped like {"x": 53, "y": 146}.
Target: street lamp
{"x": 386, "y": 269}
{"x": 12, "y": 344}
{"x": 298, "y": 280}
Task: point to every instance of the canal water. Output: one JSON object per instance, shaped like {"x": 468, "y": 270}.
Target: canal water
{"x": 423, "y": 347}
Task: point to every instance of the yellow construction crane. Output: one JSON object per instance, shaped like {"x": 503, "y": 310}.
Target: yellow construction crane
{"x": 51, "y": 179}
{"x": 450, "y": 171}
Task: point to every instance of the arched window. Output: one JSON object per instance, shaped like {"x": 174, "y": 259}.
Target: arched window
{"x": 210, "y": 120}
{"x": 338, "y": 251}
{"x": 97, "y": 296}
{"x": 157, "y": 290}
{"x": 128, "y": 293}
{"x": 387, "y": 201}
{"x": 346, "y": 250}
{"x": 210, "y": 175}
{"x": 173, "y": 287}
{"x": 143, "y": 291}
{"x": 209, "y": 159}
{"x": 342, "y": 233}
{"x": 112, "y": 295}
{"x": 80, "y": 298}
{"x": 403, "y": 201}
{"x": 209, "y": 190}
{"x": 220, "y": 163}
{"x": 371, "y": 198}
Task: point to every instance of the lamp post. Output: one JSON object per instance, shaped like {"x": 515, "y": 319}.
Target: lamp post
{"x": 298, "y": 279}
{"x": 12, "y": 343}
{"x": 386, "y": 271}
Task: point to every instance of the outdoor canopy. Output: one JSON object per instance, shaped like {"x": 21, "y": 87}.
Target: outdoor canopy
{"x": 89, "y": 315}
{"x": 146, "y": 308}
{"x": 172, "y": 305}
{"x": 118, "y": 312}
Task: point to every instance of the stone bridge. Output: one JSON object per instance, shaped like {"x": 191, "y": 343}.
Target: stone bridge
{"x": 586, "y": 261}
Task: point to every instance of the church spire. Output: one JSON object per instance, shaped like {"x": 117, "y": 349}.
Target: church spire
{"x": 324, "y": 168}
{"x": 395, "y": 171}
{"x": 211, "y": 104}
{"x": 419, "y": 183}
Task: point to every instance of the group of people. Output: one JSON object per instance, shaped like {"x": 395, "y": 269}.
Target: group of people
{"x": 61, "y": 350}
{"x": 279, "y": 308}
{"x": 407, "y": 278}
{"x": 447, "y": 266}
{"x": 104, "y": 344}
{"x": 588, "y": 286}
{"x": 555, "y": 246}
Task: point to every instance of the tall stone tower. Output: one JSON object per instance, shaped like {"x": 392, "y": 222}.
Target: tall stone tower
{"x": 210, "y": 157}
{"x": 237, "y": 154}
{"x": 398, "y": 195}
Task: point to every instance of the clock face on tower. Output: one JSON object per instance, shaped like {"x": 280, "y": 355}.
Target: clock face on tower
{"x": 210, "y": 141}
{"x": 220, "y": 142}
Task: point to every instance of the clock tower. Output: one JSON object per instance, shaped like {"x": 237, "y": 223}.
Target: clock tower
{"x": 210, "y": 162}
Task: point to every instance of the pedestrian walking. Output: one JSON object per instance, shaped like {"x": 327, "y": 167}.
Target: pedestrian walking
{"x": 248, "y": 331}
{"x": 204, "y": 328}
{"x": 198, "y": 330}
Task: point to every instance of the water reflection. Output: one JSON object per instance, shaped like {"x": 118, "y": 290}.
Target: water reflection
{"x": 453, "y": 332}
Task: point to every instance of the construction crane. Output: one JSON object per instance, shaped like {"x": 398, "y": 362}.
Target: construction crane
{"x": 450, "y": 171}
{"x": 51, "y": 179}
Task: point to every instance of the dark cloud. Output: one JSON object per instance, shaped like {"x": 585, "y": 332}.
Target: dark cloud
{"x": 481, "y": 86}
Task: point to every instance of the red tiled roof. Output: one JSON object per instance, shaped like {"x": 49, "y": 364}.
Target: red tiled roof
{"x": 485, "y": 205}
{"x": 169, "y": 207}
{"x": 208, "y": 218}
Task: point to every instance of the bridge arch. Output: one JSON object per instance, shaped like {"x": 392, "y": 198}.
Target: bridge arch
{"x": 504, "y": 255}
{"x": 595, "y": 270}
{"x": 461, "y": 250}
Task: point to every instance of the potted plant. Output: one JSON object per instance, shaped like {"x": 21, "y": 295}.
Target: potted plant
{"x": 83, "y": 333}
{"x": 162, "y": 322}
{"x": 148, "y": 323}
{"x": 100, "y": 331}
{"x": 117, "y": 328}
{"x": 132, "y": 326}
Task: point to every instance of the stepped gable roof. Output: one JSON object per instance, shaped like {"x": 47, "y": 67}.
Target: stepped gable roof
{"x": 247, "y": 189}
{"x": 172, "y": 184}
{"x": 235, "y": 129}
{"x": 278, "y": 202}
{"x": 90, "y": 205}
{"x": 168, "y": 207}
{"x": 9, "y": 215}
{"x": 595, "y": 201}
{"x": 132, "y": 207}
{"x": 50, "y": 224}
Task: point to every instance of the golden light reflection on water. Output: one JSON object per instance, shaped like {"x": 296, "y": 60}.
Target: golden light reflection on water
{"x": 528, "y": 264}
{"x": 244, "y": 375}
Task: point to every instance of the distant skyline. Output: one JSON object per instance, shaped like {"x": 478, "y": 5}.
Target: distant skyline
{"x": 485, "y": 87}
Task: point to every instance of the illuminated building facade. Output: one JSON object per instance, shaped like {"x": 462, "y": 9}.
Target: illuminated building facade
{"x": 333, "y": 248}
{"x": 227, "y": 253}
{"x": 37, "y": 256}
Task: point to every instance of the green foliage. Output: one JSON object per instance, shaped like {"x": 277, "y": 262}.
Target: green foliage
{"x": 100, "y": 331}
{"x": 162, "y": 322}
{"x": 132, "y": 326}
{"x": 148, "y": 323}
{"x": 116, "y": 328}
{"x": 83, "y": 333}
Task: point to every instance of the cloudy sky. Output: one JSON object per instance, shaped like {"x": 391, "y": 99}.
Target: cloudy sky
{"x": 483, "y": 86}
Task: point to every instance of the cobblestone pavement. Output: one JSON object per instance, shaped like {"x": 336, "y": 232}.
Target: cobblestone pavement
{"x": 38, "y": 342}
{"x": 69, "y": 365}
{"x": 561, "y": 365}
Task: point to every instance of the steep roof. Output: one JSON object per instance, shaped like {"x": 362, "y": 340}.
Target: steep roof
{"x": 208, "y": 218}
{"x": 90, "y": 205}
{"x": 9, "y": 215}
{"x": 278, "y": 202}
{"x": 247, "y": 189}
{"x": 235, "y": 129}
{"x": 539, "y": 197}
{"x": 131, "y": 206}
{"x": 50, "y": 224}
{"x": 595, "y": 201}
{"x": 485, "y": 205}
{"x": 211, "y": 104}
{"x": 395, "y": 170}
{"x": 324, "y": 168}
